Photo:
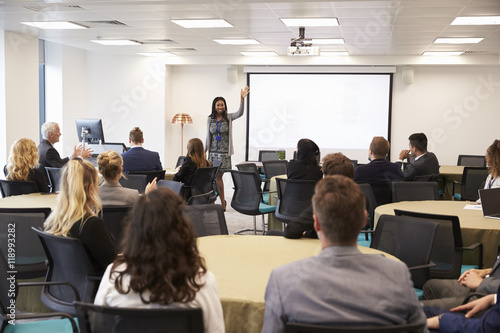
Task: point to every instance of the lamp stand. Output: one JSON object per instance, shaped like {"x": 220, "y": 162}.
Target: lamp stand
{"x": 182, "y": 139}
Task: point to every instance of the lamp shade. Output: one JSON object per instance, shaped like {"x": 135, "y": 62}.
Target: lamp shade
{"x": 182, "y": 118}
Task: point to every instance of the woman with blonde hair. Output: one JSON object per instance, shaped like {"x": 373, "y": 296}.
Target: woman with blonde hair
{"x": 161, "y": 265}
{"x": 110, "y": 165}
{"x": 75, "y": 213}
{"x": 195, "y": 158}
{"x": 23, "y": 164}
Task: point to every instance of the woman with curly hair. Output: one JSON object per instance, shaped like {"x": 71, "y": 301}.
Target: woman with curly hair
{"x": 23, "y": 164}
{"x": 195, "y": 158}
{"x": 306, "y": 166}
{"x": 493, "y": 162}
{"x": 160, "y": 265}
{"x": 75, "y": 213}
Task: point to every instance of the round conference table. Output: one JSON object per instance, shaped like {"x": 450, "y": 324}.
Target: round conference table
{"x": 450, "y": 173}
{"x": 242, "y": 266}
{"x": 475, "y": 227}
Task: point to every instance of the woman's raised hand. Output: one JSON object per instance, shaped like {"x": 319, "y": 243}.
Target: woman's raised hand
{"x": 244, "y": 92}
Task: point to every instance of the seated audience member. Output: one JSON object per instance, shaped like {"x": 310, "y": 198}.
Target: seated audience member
{"x": 449, "y": 293}
{"x": 23, "y": 164}
{"x": 333, "y": 164}
{"x": 379, "y": 169}
{"x": 425, "y": 163}
{"x": 195, "y": 158}
{"x": 493, "y": 162}
{"x": 49, "y": 157}
{"x": 75, "y": 213}
{"x": 110, "y": 165}
{"x": 306, "y": 166}
{"x": 341, "y": 286}
{"x": 161, "y": 265}
{"x": 488, "y": 322}
{"x": 137, "y": 158}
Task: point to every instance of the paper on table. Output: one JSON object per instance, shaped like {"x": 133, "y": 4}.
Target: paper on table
{"x": 473, "y": 207}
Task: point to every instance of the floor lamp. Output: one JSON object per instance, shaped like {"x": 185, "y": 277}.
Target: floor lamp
{"x": 182, "y": 118}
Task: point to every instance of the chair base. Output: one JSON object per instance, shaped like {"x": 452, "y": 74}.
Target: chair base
{"x": 255, "y": 230}
{"x": 245, "y": 230}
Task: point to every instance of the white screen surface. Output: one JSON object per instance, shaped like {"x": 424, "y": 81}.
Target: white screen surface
{"x": 340, "y": 112}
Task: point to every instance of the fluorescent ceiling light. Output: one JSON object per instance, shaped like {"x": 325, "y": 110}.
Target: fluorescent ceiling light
{"x": 158, "y": 54}
{"x": 218, "y": 23}
{"x": 476, "y": 20}
{"x": 55, "y": 25}
{"x": 330, "y": 41}
{"x": 439, "y": 53}
{"x": 115, "y": 42}
{"x": 311, "y": 22}
{"x": 259, "y": 53}
{"x": 334, "y": 53}
{"x": 457, "y": 40}
{"x": 247, "y": 41}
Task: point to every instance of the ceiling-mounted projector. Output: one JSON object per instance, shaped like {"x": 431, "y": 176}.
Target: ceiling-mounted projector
{"x": 302, "y": 46}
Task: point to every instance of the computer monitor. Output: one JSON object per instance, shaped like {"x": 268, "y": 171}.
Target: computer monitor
{"x": 91, "y": 129}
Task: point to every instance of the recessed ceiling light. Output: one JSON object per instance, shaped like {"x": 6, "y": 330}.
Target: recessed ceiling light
{"x": 247, "y": 41}
{"x": 55, "y": 25}
{"x": 476, "y": 20}
{"x": 115, "y": 42}
{"x": 311, "y": 22}
{"x": 328, "y": 41}
{"x": 334, "y": 53}
{"x": 259, "y": 53}
{"x": 157, "y": 54}
{"x": 217, "y": 23}
{"x": 439, "y": 53}
{"x": 457, "y": 40}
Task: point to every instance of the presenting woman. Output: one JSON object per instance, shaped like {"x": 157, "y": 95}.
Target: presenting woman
{"x": 195, "y": 158}
{"x": 23, "y": 164}
{"x": 219, "y": 142}
{"x": 75, "y": 213}
{"x": 160, "y": 265}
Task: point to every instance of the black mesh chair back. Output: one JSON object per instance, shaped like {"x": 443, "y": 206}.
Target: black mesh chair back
{"x": 67, "y": 261}
{"x": 174, "y": 186}
{"x": 382, "y": 192}
{"x": 448, "y": 246}
{"x": 310, "y": 328}
{"x": 29, "y": 253}
{"x": 150, "y": 175}
{"x": 272, "y": 169}
{"x": 247, "y": 192}
{"x": 13, "y": 187}
{"x": 115, "y": 218}
{"x": 473, "y": 179}
{"x": 410, "y": 240}
{"x": 103, "y": 319}
{"x": 207, "y": 220}
{"x": 248, "y": 167}
{"x": 202, "y": 186}
{"x": 472, "y": 160}
{"x": 54, "y": 175}
{"x": 414, "y": 191}
{"x": 180, "y": 161}
{"x": 371, "y": 204}
{"x": 268, "y": 155}
{"x": 294, "y": 196}
{"x": 137, "y": 182}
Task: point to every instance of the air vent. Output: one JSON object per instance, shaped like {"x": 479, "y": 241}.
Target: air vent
{"x": 55, "y": 8}
{"x": 158, "y": 41}
{"x": 476, "y": 52}
{"x": 178, "y": 49}
{"x": 95, "y": 24}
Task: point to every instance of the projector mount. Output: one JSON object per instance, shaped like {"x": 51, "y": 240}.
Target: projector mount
{"x": 302, "y": 46}
{"x": 301, "y": 41}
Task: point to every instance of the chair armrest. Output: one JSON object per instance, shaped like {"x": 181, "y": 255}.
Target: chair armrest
{"x": 74, "y": 326}
{"x": 190, "y": 200}
{"x": 473, "y": 247}
{"x": 429, "y": 265}
{"x": 31, "y": 284}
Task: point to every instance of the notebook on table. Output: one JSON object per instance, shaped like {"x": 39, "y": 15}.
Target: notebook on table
{"x": 490, "y": 201}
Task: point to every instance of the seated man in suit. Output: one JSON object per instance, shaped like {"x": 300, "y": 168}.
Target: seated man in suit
{"x": 488, "y": 322}
{"x": 48, "y": 155}
{"x": 379, "y": 172}
{"x": 448, "y": 293}
{"x": 425, "y": 163}
{"x": 341, "y": 286}
{"x": 137, "y": 158}
{"x": 303, "y": 225}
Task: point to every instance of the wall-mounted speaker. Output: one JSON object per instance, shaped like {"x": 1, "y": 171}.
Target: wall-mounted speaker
{"x": 232, "y": 74}
{"x": 407, "y": 74}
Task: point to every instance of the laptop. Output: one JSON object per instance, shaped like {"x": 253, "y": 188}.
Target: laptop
{"x": 490, "y": 202}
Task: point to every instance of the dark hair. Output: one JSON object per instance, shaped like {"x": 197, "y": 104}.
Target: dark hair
{"x": 159, "y": 250}
{"x": 419, "y": 141}
{"x": 307, "y": 152}
{"x": 493, "y": 159}
{"x": 380, "y": 147}
{"x": 337, "y": 164}
{"x": 214, "y": 112}
{"x": 136, "y": 135}
{"x": 339, "y": 204}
